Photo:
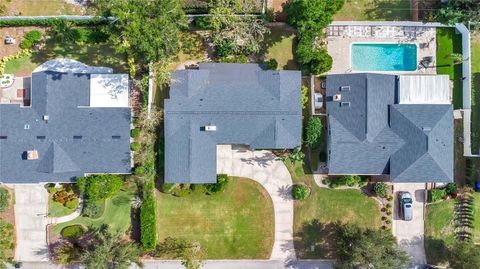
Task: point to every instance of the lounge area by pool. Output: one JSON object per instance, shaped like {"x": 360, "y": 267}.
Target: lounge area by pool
{"x": 383, "y": 57}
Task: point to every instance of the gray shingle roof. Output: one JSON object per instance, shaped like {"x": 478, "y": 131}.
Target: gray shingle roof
{"x": 64, "y": 97}
{"x": 374, "y": 135}
{"x": 248, "y": 106}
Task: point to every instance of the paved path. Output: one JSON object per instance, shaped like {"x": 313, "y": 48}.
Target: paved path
{"x": 262, "y": 167}
{"x": 31, "y": 207}
{"x": 410, "y": 234}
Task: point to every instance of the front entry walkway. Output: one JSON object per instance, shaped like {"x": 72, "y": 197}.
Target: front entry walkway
{"x": 31, "y": 207}
{"x": 272, "y": 174}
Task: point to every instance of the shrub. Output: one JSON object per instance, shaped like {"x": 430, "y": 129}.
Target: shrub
{"x": 148, "y": 229}
{"x": 269, "y": 16}
{"x": 299, "y": 192}
{"x": 388, "y": 205}
{"x": 62, "y": 196}
{"x": 33, "y": 35}
{"x": 437, "y": 194}
{"x": 80, "y": 35}
{"x": 388, "y": 212}
{"x": 243, "y": 59}
{"x": 314, "y": 132}
{"x": 135, "y": 133}
{"x": 182, "y": 191}
{"x": 341, "y": 181}
{"x": 381, "y": 189}
{"x": 202, "y": 23}
{"x": 313, "y": 60}
{"x": 213, "y": 188}
{"x": 72, "y": 204}
{"x": 224, "y": 47}
{"x": 99, "y": 187}
{"x": 451, "y": 188}
{"x": 304, "y": 97}
{"x": 271, "y": 64}
{"x": 4, "y": 199}
{"x": 388, "y": 221}
{"x": 327, "y": 181}
{"x": 168, "y": 187}
{"x": 26, "y": 44}
{"x": 362, "y": 181}
{"x": 52, "y": 22}
{"x": 199, "y": 189}
{"x": 135, "y": 146}
{"x": 73, "y": 231}
{"x": 92, "y": 210}
{"x": 390, "y": 198}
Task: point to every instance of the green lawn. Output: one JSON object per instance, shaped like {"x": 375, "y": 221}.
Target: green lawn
{"x": 449, "y": 42}
{"x": 116, "y": 214}
{"x": 381, "y": 10}
{"x": 235, "y": 224}
{"x": 475, "y": 51}
{"x": 316, "y": 217}
{"x": 40, "y": 7}
{"x": 90, "y": 54}
{"x": 280, "y": 45}
{"x": 439, "y": 230}
{"x": 56, "y": 209}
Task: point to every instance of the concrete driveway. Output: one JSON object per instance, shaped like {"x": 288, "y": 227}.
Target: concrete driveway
{"x": 273, "y": 175}
{"x": 410, "y": 234}
{"x": 31, "y": 207}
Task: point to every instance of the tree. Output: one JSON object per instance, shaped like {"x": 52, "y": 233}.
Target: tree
{"x": 459, "y": 11}
{"x": 314, "y": 60}
{"x": 106, "y": 251}
{"x": 367, "y": 248}
{"x": 314, "y": 132}
{"x": 464, "y": 255}
{"x": 311, "y": 15}
{"x": 149, "y": 29}
{"x": 191, "y": 254}
{"x": 457, "y": 58}
{"x": 381, "y": 189}
{"x": 234, "y": 30}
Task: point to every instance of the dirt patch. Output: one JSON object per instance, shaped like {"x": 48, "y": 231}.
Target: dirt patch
{"x": 17, "y": 33}
{"x": 9, "y": 216}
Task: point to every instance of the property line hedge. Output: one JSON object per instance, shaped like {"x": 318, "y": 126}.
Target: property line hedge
{"x": 148, "y": 218}
{"x": 47, "y": 22}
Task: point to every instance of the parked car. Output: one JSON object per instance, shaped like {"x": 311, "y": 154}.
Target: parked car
{"x": 318, "y": 100}
{"x": 406, "y": 208}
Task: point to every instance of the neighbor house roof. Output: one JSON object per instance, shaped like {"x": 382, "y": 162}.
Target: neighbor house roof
{"x": 243, "y": 103}
{"x": 371, "y": 134}
{"x": 70, "y": 136}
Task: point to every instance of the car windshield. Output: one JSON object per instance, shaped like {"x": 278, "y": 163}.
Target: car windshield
{"x": 407, "y": 200}
{"x": 408, "y": 206}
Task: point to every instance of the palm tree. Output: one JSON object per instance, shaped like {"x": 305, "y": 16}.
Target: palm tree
{"x": 457, "y": 58}
{"x": 109, "y": 251}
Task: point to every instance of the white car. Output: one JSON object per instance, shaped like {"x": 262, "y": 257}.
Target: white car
{"x": 406, "y": 208}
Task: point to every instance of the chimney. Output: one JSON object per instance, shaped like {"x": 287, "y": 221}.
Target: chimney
{"x": 32, "y": 155}
{"x": 337, "y": 97}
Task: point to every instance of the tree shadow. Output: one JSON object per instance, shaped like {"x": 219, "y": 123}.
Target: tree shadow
{"x": 316, "y": 240}
{"x": 389, "y": 10}
{"x": 475, "y": 113}
{"x": 436, "y": 250}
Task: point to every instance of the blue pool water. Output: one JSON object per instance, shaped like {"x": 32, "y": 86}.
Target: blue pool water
{"x": 384, "y": 57}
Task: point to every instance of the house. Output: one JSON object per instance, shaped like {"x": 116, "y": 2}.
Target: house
{"x": 227, "y": 104}
{"x": 400, "y": 126}
{"x": 74, "y": 120}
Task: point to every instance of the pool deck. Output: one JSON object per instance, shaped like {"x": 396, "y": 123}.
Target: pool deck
{"x": 340, "y": 38}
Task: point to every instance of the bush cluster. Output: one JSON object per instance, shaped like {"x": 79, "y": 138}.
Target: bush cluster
{"x": 437, "y": 194}
{"x": 350, "y": 181}
{"x": 52, "y": 21}
{"x": 271, "y": 64}
{"x": 148, "y": 212}
{"x": 99, "y": 187}
{"x": 30, "y": 38}
{"x": 4, "y": 199}
{"x": 299, "y": 192}
{"x": 135, "y": 146}
{"x": 182, "y": 190}
{"x": 73, "y": 231}
{"x": 92, "y": 209}
{"x": 135, "y": 133}
{"x": 381, "y": 189}
{"x": 314, "y": 132}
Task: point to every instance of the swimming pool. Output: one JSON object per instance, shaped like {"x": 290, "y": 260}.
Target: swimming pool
{"x": 384, "y": 57}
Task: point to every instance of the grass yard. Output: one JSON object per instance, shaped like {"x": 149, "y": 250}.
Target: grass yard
{"x": 381, "y": 10}
{"x": 449, "y": 42}
{"x": 475, "y": 51}
{"x": 56, "y": 209}
{"x": 90, "y": 54}
{"x": 439, "y": 230}
{"x": 41, "y": 7}
{"x": 116, "y": 214}
{"x": 316, "y": 217}
{"x": 235, "y": 224}
{"x": 280, "y": 45}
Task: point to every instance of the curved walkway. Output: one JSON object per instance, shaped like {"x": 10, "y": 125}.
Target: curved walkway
{"x": 262, "y": 167}
{"x": 70, "y": 217}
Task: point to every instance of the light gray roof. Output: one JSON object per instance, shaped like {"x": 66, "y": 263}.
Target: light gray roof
{"x": 374, "y": 135}
{"x": 102, "y": 135}
{"x": 248, "y": 106}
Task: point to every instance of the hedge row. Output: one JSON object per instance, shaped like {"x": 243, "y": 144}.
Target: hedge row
{"x": 148, "y": 230}
{"x": 51, "y": 22}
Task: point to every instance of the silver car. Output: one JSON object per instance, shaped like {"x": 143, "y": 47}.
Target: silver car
{"x": 406, "y": 206}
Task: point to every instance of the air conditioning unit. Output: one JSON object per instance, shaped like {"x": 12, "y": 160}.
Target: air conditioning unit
{"x": 210, "y": 128}
{"x": 337, "y": 97}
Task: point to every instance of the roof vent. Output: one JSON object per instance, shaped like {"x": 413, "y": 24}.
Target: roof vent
{"x": 210, "y": 128}
{"x": 3, "y": 137}
{"x": 26, "y": 126}
{"x": 116, "y": 137}
{"x": 77, "y": 137}
{"x": 45, "y": 117}
{"x": 426, "y": 129}
{"x": 337, "y": 97}
{"x": 41, "y": 137}
{"x": 32, "y": 155}
{"x": 345, "y": 104}
{"x": 344, "y": 88}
